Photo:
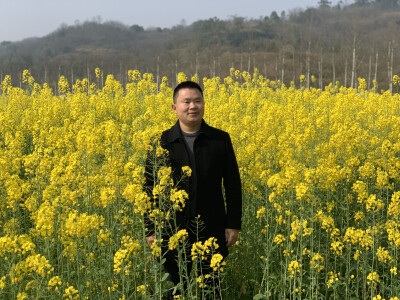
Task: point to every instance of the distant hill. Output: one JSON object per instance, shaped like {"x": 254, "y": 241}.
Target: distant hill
{"x": 330, "y": 43}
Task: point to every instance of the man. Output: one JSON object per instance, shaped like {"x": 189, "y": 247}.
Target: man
{"x": 209, "y": 153}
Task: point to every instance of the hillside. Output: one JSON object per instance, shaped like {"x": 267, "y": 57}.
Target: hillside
{"x": 330, "y": 43}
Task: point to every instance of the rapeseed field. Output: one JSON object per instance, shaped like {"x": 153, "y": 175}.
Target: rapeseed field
{"x": 321, "y": 186}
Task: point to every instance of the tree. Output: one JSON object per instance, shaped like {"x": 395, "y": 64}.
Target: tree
{"x": 361, "y": 2}
{"x": 274, "y": 16}
{"x": 137, "y": 28}
{"x": 324, "y": 3}
{"x": 386, "y": 4}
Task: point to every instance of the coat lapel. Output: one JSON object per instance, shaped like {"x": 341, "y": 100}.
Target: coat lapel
{"x": 177, "y": 146}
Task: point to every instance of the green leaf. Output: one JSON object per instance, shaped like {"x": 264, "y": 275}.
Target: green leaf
{"x": 259, "y": 296}
{"x": 165, "y": 276}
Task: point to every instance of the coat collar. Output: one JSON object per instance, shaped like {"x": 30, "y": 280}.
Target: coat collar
{"x": 176, "y": 132}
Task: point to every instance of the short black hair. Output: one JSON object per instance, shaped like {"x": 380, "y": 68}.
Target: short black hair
{"x": 186, "y": 85}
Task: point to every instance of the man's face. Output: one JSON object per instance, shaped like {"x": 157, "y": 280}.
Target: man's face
{"x": 189, "y": 107}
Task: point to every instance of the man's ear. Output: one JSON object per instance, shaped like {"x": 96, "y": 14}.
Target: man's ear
{"x": 173, "y": 107}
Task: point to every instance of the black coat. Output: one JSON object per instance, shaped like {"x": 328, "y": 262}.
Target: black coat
{"x": 215, "y": 165}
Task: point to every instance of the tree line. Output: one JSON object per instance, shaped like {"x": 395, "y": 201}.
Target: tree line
{"x": 327, "y": 44}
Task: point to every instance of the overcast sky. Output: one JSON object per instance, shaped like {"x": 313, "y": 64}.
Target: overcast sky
{"x": 21, "y": 19}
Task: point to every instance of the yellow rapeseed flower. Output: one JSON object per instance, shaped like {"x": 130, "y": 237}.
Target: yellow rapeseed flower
{"x": 174, "y": 240}
{"x": 373, "y": 278}
{"x": 71, "y": 293}
{"x": 217, "y": 262}
{"x": 141, "y": 289}
{"x": 279, "y": 239}
{"x": 294, "y": 268}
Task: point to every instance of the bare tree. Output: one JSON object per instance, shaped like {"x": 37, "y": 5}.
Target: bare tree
{"x": 283, "y": 66}
{"x": 353, "y": 68}
{"x": 333, "y": 70}
{"x": 320, "y": 70}
{"x": 369, "y": 70}
{"x": 376, "y": 70}
{"x": 390, "y": 65}
{"x": 308, "y": 63}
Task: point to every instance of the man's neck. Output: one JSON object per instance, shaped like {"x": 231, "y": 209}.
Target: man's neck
{"x": 189, "y": 128}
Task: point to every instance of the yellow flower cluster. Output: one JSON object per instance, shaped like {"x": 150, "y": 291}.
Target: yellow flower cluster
{"x": 80, "y": 225}
{"x": 294, "y": 268}
{"x": 317, "y": 262}
{"x": 156, "y": 247}
{"x": 217, "y": 262}
{"x": 202, "y": 279}
{"x": 394, "y": 206}
{"x": 174, "y": 240}
{"x": 279, "y": 239}
{"x": 383, "y": 255}
{"x": 337, "y": 247}
{"x": 320, "y": 172}
{"x": 299, "y": 227}
{"x": 333, "y": 278}
{"x": 201, "y": 250}
{"x": 359, "y": 236}
{"x": 129, "y": 247}
{"x": 261, "y": 212}
{"x": 186, "y": 170}
{"x": 2, "y": 282}
{"x": 19, "y": 245}
{"x": 33, "y": 264}
{"x": 141, "y": 289}
{"x": 178, "y": 199}
{"x": 373, "y": 204}
{"x": 373, "y": 278}
{"x": 71, "y": 293}
{"x": 134, "y": 193}
{"x": 54, "y": 283}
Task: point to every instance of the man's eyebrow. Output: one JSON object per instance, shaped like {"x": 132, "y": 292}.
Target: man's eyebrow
{"x": 195, "y": 98}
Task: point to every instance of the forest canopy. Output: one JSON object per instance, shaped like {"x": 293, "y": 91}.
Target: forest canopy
{"x": 332, "y": 43}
